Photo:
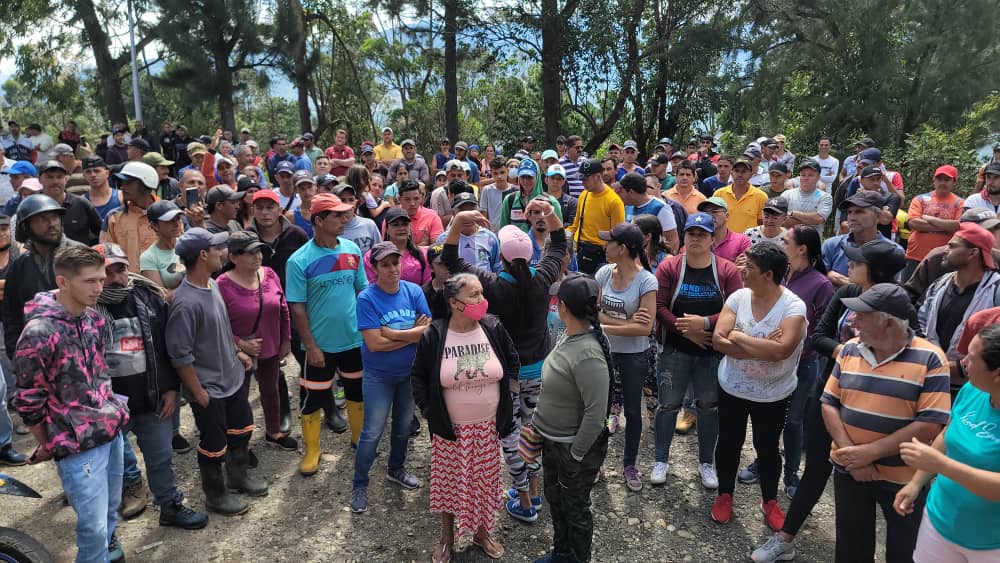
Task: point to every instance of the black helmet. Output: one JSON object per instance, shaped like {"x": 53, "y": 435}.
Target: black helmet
{"x": 34, "y": 205}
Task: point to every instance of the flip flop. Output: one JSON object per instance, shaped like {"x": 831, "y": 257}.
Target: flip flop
{"x": 492, "y": 549}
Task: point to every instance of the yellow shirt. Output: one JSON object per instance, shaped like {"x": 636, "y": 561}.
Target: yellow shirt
{"x": 745, "y": 212}
{"x": 596, "y": 212}
{"x": 392, "y": 152}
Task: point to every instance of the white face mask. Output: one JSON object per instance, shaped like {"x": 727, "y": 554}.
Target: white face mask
{"x": 512, "y": 174}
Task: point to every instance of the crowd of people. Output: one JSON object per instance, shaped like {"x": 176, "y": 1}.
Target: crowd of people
{"x": 524, "y": 309}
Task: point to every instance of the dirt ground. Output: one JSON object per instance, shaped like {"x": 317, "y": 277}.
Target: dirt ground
{"x": 307, "y": 519}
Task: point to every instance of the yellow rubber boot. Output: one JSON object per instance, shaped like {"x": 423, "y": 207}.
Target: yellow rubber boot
{"x": 355, "y": 419}
{"x": 312, "y": 424}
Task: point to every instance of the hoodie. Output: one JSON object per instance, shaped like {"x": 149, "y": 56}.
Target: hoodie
{"x": 62, "y": 377}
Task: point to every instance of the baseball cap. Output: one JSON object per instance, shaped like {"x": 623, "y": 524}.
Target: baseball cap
{"x": 677, "y": 155}
{"x": 779, "y": 167}
{"x": 308, "y": 136}
{"x": 866, "y": 142}
{"x": 31, "y": 184}
{"x": 266, "y": 194}
{"x": 870, "y": 156}
{"x": 453, "y": 164}
{"x": 665, "y": 141}
{"x": 556, "y": 170}
{"x": 301, "y": 177}
{"x": 809, "y": 163}
{"x": 864, "y": 198}
{"x": 881, "y": 255}
{"x": 590, "y": 167}
{"x": 549, "y": 153}
{"x": 882, "y": 298}
{"x": 713, "y": 201}
{"x": 527, "y": 139}
{"x": 25, "y": 167}
{"x": 387, "y": 129}
{"x": 296, "y": 142}
{"x": 4, "y": 219}
{"x": 366, "y": 148}
{"x": 992, "y": 168}
{"x": 244, "y": 241}
{"x": 218, "y": 194}
{"x": 394, "y": 214}
{"x": 50, "y": 165}
{"x": 630, "y": 144}
{"x": 112, "y": 253}
{"x": 464, "y": 198}
{"x": 633, "y": 182}
{"x": 62, "y": 149}
{"x": 440, "y": 174}
{"x": 244, "y": 130}
{"x": 514, "y": 243}
{"x": 752, "y": 152}
{"x": 979, "y": 238}
{"x": 247, "y": 183}
{"x": 140, "y": 144}
{"x": 194, "y": 240}
{"x": 946, "y": 170}
{"x": 196, "y": 148}
{"x": 220, "y": 160}
{"x": 780, "y": 138}
{"x": 325, "y": 180}
{"x": 328, "y": 202}
{"x": 284, "y": 167}
{"x": 162, "y": 210}
{"x": 462, "y": 145}
{"x": 578, "y": 292}
{"x": 527, "y": 168}
{"x": 981, "y": 216}
{"x": 251, "y": 143}
{"x": 626, "y": 234}
{"x": 743, "y": 161}
{"x": 701, "y": 221}
{"x": 341, "y": 188}
{"x": 383, "y": 250}
{"x": 768, "y": 142}
{"x": 155, "y": 159}
{"x": 408, "y": 142}
{"x": 778, "y": 205}
{"x": 870, "y": 171}
{"x": 659, "y": 158}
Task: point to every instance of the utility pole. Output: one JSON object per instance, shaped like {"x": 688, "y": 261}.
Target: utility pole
{"x": 135, "y": 66}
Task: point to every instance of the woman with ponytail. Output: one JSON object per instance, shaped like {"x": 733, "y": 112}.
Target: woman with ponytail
{"x": 570, "y": 416}
{"x": 520, "y": 297}
{"x": 628, "y": 305}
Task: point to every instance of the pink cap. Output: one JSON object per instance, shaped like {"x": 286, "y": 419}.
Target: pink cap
{"x": 515, "y": 243}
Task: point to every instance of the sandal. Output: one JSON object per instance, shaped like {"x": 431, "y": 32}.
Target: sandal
{"x": 445, "y": 553}
{"x": 492, "y": 549}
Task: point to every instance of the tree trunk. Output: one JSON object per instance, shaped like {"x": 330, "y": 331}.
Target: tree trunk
{"x": 108, "y": 71}
{"x": 224, "y": 87}
{"x": 552, "y": 48}
{"x": 451, "y": 9}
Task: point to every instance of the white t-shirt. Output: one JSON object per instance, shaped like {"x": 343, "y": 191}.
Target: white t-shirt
{"x": 623, "y": 304}
{"x": 758, "y": 380}
{"x": 828, "y": 168}
{"x": 756, "y": 234}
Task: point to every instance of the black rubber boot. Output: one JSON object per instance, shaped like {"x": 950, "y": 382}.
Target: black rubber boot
{"x": 237, "y": 477}
{"x": 285, "y": 406}
{"x": 178, "y": 515}
{"x": 217, "y": 499}
{"x": 334, "y": 420}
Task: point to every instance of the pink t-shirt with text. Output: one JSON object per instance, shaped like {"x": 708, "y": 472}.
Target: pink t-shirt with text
{"x": 470, "y": 377}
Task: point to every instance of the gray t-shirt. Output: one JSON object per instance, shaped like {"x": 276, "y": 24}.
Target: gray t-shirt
{"x": 816, "y": 202}
{"x": 363, "y": 232}
{"x": 623, "y": 304}
{"x": 201, "y": 336}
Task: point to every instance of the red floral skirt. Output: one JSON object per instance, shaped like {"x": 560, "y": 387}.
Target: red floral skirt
{"x": 466, "y": 476}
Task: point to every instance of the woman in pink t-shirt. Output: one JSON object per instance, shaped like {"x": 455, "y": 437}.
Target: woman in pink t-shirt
{"x": 414, "y": 265}
{"x": 461, "y": 379}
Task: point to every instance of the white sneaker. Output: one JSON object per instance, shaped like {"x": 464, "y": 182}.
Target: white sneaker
{"x": 659, "y": 474}
{"x": 709, "y": 479}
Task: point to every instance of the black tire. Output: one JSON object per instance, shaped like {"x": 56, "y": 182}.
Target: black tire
{"x": 18, "y": 547}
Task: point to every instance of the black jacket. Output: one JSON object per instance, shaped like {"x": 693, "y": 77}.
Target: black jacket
{"x": 291, "y": 238}
{"x": 82, "y": 222}
{"x": 526, "y": 322}
{"x": 426, "y": 376}
{"x": 160, "y": 374}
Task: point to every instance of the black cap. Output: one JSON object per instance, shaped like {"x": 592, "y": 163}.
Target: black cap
{"x": 382, "y": 251}
{"x": 590, "y": 167}
{"x": 882, "y": 298}
{"x": 51, "y": 165}
{"x": 779, "y": 167}
{"x": 341, "y": 188}
{"x": 527, "y": 139}
{"x": 864, "y": 198}
{"x": 660, "y": 158}
{"x": 811, "y": 164}
{"x": 744, "y": 161}
{"x": 679, "y": 154}
{"x": 882, "y": 256}
{"x": 247, "y": 183}
{"x": 395, "y": 213}
{"x": 633, "y": 182}
{"x": 326, "y": 180}
{"x": 866, "y": 142}
{"x": 778, "y": 205}
{"x": 218, "y": 194}
{"x": 464, "y": 198}
{"x": 992, "y": 168}
{"x": 140, "y": 144}
{"x": 162, "y": 210}
{"x": 870, "y": 171}
{"x": 579, "y": 293}
{"x": 981, "y": 216}
{"x": 769, "y": 142}
{"x": 4, "y": 219}
{"x": 626, "y": 234}
{"x": 752, "y": 153}
{"x": 244, "y": 241}
{"x": 93, "y": 162}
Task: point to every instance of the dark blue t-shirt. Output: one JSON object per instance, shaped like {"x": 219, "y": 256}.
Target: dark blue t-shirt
{"x": 399, "y": 311}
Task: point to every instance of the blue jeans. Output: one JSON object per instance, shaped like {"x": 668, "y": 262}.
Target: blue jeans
{"x": 678, "y": 373}
{"x": 632, "y": 369}
{"x": 93, "y": 484}
{"x": 381, "y": 397}
{"x": 154, "y": 437}
{"x": 6, "y": 424}
{"x": 808, "y": 373}
{"x": 131, "y": 474}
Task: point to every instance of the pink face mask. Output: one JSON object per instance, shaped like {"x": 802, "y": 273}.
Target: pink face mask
{"x": 476, "y": 311}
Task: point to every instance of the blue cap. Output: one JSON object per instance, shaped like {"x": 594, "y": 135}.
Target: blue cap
{"x": 701, "y": 221}
{"x": 527, "y": 168}
{"x": 193, "y": 241}
{"x": 22, "y": 167}
{"x": 473, "y": 147}
{"x": 284, "y": 166}
{"x": 870, "y": 156}
{"x": 666, "y": 141}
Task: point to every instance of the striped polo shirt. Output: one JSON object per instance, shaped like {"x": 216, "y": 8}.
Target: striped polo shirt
{"x": 877, "y": 399}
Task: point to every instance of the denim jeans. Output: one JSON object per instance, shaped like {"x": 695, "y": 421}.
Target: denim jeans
{"x": 632, "y": 369}
{"x": 131, "y": 474}
{"x": 808, "y": 372}
{"x": 154, "y": 437}
{"x": 93, "y": 483}
{"x": 6, "y": 424}
{"x": 678, "y": 373}
{"x": 381, "y": 397}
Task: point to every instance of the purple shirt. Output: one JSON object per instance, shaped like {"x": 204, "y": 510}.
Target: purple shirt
{"x": 243, "y": 305}
{"x": 815, "y": 290}
{"x": 732, "y": 246}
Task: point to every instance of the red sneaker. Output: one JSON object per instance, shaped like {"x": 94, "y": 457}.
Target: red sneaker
{"x": 774, "y": 517}
{"x": 722, "y": 510}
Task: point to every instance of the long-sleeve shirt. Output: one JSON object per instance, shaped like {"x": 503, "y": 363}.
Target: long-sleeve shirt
{"x": 245, "y": 303}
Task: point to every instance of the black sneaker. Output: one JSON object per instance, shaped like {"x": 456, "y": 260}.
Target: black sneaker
{"x": 10, "y": 456}
{"x": 180, "y": 444}
{"x": 180, "y": 516}
{"x": 115, "y": 552}
{"x": 284, "y": 442}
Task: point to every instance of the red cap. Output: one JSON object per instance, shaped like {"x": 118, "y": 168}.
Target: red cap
{"x": 947, "y": 170}
{"x": 266, "y": 194}
{"x": 328, "y": 202}
{"x": 981, "y": 239}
